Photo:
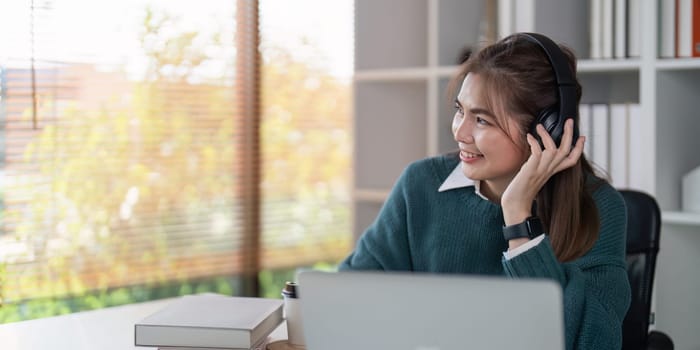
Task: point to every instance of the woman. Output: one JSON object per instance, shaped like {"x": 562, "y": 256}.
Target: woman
{"x": 511, "y": 202}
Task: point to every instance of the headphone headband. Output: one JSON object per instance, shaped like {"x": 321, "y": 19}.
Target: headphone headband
{"x": 566, "y": 84}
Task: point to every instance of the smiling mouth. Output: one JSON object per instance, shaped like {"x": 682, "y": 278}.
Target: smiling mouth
{"x": 469, "y": 157}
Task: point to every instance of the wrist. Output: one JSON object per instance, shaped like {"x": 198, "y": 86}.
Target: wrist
{"x": 512, "y": 217}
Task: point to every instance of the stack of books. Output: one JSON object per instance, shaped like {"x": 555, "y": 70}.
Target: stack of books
{"x": 210, "y": 321}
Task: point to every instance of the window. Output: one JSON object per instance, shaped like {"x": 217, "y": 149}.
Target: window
{"x": 127, "y": 154}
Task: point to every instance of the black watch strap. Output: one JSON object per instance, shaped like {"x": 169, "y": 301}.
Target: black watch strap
{"x": 530, "y": 228}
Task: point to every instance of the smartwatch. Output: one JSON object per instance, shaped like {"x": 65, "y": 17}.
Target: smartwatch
{"x": 530, "y": 228}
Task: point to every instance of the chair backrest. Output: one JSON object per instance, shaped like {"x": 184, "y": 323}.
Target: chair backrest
{"x": 643, "y": 229}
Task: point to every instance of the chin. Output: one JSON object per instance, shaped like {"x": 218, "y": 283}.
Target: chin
{"x": 469, "y": 173}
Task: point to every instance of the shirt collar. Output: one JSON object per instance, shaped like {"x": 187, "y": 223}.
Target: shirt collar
{"x": 456, "y": 179}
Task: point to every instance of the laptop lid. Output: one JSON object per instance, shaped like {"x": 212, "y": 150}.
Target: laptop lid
{"x": 416, "y": 311}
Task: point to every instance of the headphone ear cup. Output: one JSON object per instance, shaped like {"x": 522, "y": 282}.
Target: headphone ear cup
{"x": 549, "y": 118}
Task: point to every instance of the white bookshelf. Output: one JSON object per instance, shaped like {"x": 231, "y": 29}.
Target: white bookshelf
{"x": 678, "y": 64}
{"x": 406, "y": 51}
{"x": 601, "y": 66}
{"x": 681, "y": 218}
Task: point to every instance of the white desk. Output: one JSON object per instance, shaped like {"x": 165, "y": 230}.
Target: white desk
{"x": 104, "y": 329}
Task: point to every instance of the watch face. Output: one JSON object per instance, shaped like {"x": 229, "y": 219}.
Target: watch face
{"x": 534, "y": 226}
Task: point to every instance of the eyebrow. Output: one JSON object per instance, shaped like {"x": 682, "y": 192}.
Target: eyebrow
{"x": 477, "y": 110}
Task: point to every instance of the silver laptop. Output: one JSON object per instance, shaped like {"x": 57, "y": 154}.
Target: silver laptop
{"x": 401, "y": 311}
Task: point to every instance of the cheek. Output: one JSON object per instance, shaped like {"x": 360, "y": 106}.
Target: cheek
{"x": 497, "y": 143}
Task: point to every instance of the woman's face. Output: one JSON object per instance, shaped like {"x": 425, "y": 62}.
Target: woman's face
{"x": 488, "y": 153}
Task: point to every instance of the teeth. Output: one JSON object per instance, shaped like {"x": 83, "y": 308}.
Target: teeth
{"x": 470, "y": 155}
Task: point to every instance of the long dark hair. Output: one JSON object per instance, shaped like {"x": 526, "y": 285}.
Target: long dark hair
{"x": 520, "y": 82}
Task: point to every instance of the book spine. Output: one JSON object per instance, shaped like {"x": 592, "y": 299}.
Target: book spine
{"x": 608, "y": 28}
{"x": 619, "y": 145}
{"x": 620, "y": 38}
{"x": 584, "y": 125}
{"x": 637, "y": 140}
{"x": 634, "y": 29}
{"x": 696, "y": 29}
{"x": 676, "y": 24}
{"x": 596, "y": 25}
{"x": 505, "y": 18}
{"x": 600, "y": 135}
{"x": 685, "y": 19}
{"x": 667, "y": 35}
{"x": 525, "y": 15}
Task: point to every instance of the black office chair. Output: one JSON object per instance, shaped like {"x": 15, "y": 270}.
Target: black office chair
{"x": 643, "y": 228}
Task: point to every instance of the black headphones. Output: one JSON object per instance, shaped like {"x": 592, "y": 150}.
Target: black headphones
{"x": 553, "y": 117}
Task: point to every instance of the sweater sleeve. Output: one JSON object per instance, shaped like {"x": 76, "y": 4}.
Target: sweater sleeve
{"x": 384, "y": 244}
{"x": 595, "y": 286}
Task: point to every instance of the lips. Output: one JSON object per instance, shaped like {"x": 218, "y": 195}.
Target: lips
{"x": 469, "y": 156}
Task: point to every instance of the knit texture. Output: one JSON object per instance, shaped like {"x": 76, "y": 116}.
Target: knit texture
{"x": 456, "y": 231}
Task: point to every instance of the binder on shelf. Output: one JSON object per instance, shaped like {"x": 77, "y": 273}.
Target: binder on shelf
{"x": 599, "y": 136}
{"x": 620, "y": 29}
{"x": 210, "y": 321}
{"x": 637, "y": 143}
{"x": 596, "y": 25}
{"x": 584, "y": 126}
{"x": 505, "y": 18}
{"x": 667, "y": 29}
{"x": 691, "y": 191}
{"x": 619, "y": 145}
{"x": 608, "y": 9}
{"x": 524, "y": 16}
{"x": 696, "y": 29}
{"x": 634, "y": 28}
{"x": 684, "y": 27}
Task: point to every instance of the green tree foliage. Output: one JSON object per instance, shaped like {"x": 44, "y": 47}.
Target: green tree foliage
{"x": 109, "y": 183}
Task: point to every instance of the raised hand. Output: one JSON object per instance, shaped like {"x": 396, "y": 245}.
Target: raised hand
{"x": 517, "y": 199}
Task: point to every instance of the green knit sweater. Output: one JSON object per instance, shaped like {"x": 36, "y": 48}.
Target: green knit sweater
{"x": 456, "y": 231}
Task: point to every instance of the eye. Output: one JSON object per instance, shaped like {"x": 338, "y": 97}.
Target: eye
{"x": 459, "y": 109}
{"x": 481, "y": 121}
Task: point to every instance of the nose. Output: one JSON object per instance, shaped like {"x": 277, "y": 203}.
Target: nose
{"x": 462, "y": 129}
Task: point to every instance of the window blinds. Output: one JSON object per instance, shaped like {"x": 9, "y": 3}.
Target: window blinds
{"x": 150, "y": 142}
{"x": 134, "y": 169}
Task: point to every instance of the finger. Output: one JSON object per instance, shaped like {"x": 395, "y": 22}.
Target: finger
{"x": 568, "y": 136}
{"x": 546, "y": 138}
{"x": 574, "y": 156}
{"x": 534, "y": 145}
{"x": 565, "y": 147}
{"x": 577, "y": 151}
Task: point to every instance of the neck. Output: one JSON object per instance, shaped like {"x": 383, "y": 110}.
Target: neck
{"x": 492, "y": 191}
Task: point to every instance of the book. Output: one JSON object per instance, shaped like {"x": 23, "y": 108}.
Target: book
{"x": 584, "y": 124}
{"x": 261, "y": 345}
{"x": 505, "y": 18}
{"x": 638, "y": 159}
{"x": 596, "y": 25}
{"x": 524, "y": 15}
{"x": 620, "y": 29}
{"x": 608, "y": 27}
{"x": 695, "y": 44}
{"x": 210, "y": 321}
{"x": 600, "y": 140}
{"x": 619, "y": 145}
{"x": 634, "y": 28}
{"x": 667, "y": 29}
{"x": 684, "y": 28}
